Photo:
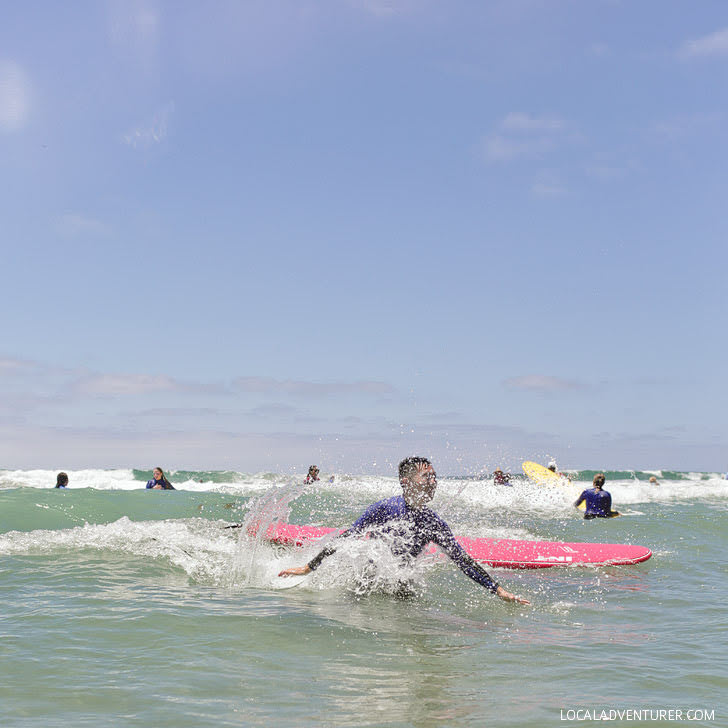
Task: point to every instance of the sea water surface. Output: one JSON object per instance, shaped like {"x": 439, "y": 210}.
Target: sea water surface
{"x": 121, "y": 606}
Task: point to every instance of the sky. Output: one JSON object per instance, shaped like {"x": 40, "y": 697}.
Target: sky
{"x": 255, "y": 235}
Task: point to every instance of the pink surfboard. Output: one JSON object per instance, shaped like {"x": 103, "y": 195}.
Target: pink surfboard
{"x": 501, "y": 552}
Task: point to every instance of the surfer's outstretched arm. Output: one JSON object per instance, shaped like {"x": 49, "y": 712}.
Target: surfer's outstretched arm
{"x": 443, "y": 537}
{"x": 376, "y": 515}
{"x": 320, "y": 556}
{"x": 580, "y": 499}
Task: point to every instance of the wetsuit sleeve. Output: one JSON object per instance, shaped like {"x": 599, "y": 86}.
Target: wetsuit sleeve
{"x": 444, "y": 538}
{"x": 150, "y": 484}
{"x": 580, "y": 499}
{"x": 370, "y": 517}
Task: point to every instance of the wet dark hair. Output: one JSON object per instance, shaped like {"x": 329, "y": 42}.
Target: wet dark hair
{"x": 312, "y": 468}
{"x": 163, "y": 480}
{"x": 599, "y": 480}
{"x": 408, "y": 467}
{"x": 61, "y": 480}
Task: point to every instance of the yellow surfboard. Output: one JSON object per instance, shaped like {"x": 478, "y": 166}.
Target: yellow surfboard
{"x": 543, "y": 476}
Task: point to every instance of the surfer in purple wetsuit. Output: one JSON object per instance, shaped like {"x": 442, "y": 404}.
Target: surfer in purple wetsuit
{"x": 598, "y": 501}
{"x": 412, "y": 526}
{"x": 159, "y": 481}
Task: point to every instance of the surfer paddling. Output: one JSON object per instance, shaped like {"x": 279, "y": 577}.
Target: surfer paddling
{"x": 412, "y": 526}
{"x": 598, "y": 501}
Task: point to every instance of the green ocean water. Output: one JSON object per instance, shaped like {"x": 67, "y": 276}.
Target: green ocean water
{"x": 126, "y": 607}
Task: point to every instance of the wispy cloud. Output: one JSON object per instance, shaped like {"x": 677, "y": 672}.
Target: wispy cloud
{"x": 125, "y": 384}
{"x": 134, "y": 25}
{"x": 268, "y": 385}
{"x": 521, "y": 135}
{"x": 542, "y": 383}
{"x": 382, "y": 8}
{"x": 12, "y": 366}
{"x": 517, "y": 121}
{"x": 713, "y": 44}
{"x": 548, "y": 184}
{"x": 690, "y": 124}
{"x": 273, "y": 410}
{"x": 14, "y": 96}
{"x": 73, "y": 224}
{"x": 151, "y": 132}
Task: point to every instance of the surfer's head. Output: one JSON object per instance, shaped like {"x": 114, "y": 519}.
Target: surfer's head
{"x": 598, "y": 481}
{"x": 61, "y": 480}
{"x": 552, "y": 466}
{"x": 418, "y": 480}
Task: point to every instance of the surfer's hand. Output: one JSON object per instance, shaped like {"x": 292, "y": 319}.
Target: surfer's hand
{"x": 508, "y": 597}
{"x": 296, "y": 571}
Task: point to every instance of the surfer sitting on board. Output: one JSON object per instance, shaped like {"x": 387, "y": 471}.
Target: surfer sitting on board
{"x": 421, "y": 526}
{"x": 598, "y": 501}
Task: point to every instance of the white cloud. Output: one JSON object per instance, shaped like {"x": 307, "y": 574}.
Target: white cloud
{"x": 382, "y": 8}
{"x": 115, "y": 384}
{"x": 521, "y": 135}
{"x": 14, "y": 96}
{"x": 548, "y": 189}
{"x": 518, "y": 121}
{"x": 151, "y": 132}
{"x": 499, "y": 148}
{"x": 9, "y": 365}
{"x": 268, "y": 385}
{"x": 542, "y": 383}
{"x": 72, "y": 224}
{"x": 134, "y": 24}
{"x": 714, "y": 44}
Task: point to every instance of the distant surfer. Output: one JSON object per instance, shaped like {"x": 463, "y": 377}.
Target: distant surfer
{"x": 61, "y": 480}
{"x": 552, "y": 467}
{"x": 501, "y": 478}
{"x": 313, "y": 475}
{"x": 653, "y": 480}
{"x": 159, "y": 481}
{"x": 598, "y": 501}
{"x": 412, "y": 526}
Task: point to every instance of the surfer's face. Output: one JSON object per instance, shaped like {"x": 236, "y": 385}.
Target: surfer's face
{"x": 420, "y": 487}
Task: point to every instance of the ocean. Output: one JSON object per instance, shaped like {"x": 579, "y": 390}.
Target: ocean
{"x": 121, "y": 606}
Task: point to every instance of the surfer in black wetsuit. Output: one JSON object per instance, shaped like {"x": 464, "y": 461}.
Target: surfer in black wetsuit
{"x": 412, "y": 526}
{"x": 598, "y": 501}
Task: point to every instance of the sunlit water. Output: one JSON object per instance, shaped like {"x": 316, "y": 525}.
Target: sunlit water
{"x": 126, "y": 607}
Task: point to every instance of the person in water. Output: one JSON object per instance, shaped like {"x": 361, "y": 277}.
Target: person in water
{"x": 598, "y": 501}
{"x": 313, "y": 475}
{"x": 501, "y": 478}
{"x": 159, "y": 481}
{"x": 552, "y": 467}
{"x": 412, "y": 526}
{"x": 653, "y": 480}
{"x": 61, "y": 480}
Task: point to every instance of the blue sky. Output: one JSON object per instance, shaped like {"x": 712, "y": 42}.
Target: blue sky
{"x": 255, "y": 235}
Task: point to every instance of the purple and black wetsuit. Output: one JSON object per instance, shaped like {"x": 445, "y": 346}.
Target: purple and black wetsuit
{"x": 598, "y": 503}
{"x": 411, "y": 530}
